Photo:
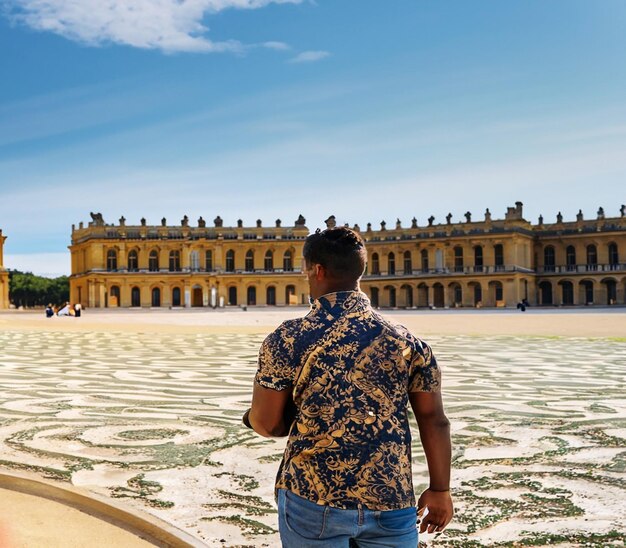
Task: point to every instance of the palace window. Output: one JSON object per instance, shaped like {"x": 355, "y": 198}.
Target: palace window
{"x": 408, "y": 263}
{"x": 249, "y": 266}
{"x": 271, "y": 295}
{"x": 174, "y": 262}
{"x": 176, "y": 296}
{"x": 288, "y": 261}
{"x": 268, "y": 264}
{"x": 153, "y": 261}
{"x": 208, "y": 261}
{"x": 549, "y": 259}
{"x": 111, "y": 260}
{"x": 592, "y": 257}
{"x": 478, "y": 259}
{"x": 156, "y": 297}
{"x": 570, "y": 257}
{"x": 391, "y": 264}
{"x": 194, "y": 261}
{"x": 374, "y": 298}
{"x": 458, "y": 259}
{"x": 498, "y": 251}
{"x": 424, "y": 259}
{"x": 251, "y": 295}
{"x": 135, "y": 297}
{"x": 232, "y": 294}
{"x": 375, "y": 264}
{"x": 230, "y": 262}
{"x": 133, "y": 261}
{"x": 613, "y": 256}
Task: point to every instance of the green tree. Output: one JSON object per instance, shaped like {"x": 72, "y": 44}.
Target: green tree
{"x": 28, "y": 290}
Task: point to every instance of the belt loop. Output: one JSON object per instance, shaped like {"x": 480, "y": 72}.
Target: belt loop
{"x": 361, "y": 519}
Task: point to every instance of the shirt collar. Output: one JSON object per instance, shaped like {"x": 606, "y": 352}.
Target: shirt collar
{"x": 339, "y": 301}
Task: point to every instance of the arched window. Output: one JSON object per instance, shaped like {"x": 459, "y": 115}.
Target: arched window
{"x": 613, "y": 256}
{"x": 194, "y": 261}
{"x": 251, "y": 295}
{"x": 156, "y": 297}
{"x": 567, "y": 289}
{"x": 135, "y": 297}
{"x": 458, "y": 259}
{"x": 271, "y": 295}
{"x": 249, "y": 261}
{"x": 549, "y": 259}
{"x": 391, "y": 291}
{"x": 290, "y": 295}
{"x": 208, "y": 261}
{"x": 153, "y": 261}
{"x": 375, "y": 264}
{"x": 111, "y": 260}
{"x": 174, "y": 261}
{"x": 374, "y": 297}
{"x": 570, "y": 257}
{"x": 391, "y": 264}
{"x": 424, "y": 259}
{"x": 232, "y": 295}
{"x": 408, "y": 263}
{"x": 478, "y": 259}
{"x": 230, "y": 261}
{"x": 498, "y": 255}
{"x": 176, "y": 296}
{"x": 592, "y": 257}
{"x": 114, "y": 296}
{"x": 288, "y": 261}
{"x": 133, "y": 261}
{"x": 268, "y": 264}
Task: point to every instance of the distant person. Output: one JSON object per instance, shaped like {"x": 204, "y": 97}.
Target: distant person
{"x": 338, "y": 382}
{"x": 77, "y": 310}
{"x": 65, "y": 311}
{"x": 49, "y": 311}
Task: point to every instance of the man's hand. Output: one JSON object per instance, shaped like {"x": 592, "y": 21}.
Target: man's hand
{"x": 440, "y": 510}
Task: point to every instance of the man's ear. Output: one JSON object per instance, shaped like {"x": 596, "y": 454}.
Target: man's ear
{"x": 320, "y": 272}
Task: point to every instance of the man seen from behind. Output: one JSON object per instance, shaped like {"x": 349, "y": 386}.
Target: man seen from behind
{"x": 338, "y": 382}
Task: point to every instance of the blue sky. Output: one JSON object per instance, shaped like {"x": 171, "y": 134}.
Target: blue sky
{"x": 367, "y": 110}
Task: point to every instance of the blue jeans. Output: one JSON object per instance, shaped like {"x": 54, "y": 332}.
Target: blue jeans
{"x": 304, "y": 524}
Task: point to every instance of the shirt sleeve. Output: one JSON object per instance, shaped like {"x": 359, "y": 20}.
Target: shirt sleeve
{"x": 276, "y": 369}
{"x": 424, "y": 372}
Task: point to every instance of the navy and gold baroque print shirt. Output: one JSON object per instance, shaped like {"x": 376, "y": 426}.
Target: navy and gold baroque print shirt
{"x": 350, "y": 372}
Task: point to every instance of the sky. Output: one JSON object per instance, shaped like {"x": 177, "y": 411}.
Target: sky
{"x": 368, "y": 110}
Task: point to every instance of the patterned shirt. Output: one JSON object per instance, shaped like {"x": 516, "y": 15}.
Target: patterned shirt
{"x": 350, "y": 372}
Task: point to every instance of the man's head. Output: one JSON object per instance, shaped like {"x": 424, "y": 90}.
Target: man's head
{"x": 335, "y": 259}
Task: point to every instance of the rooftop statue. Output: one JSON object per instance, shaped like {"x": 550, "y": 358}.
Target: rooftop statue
{"x": 431, "y": 220}
{"x": 300, "y": 221}
{"x": 97, "y": 219}
{"x": 449, "y": 218}
{"x": 201, "y": 222}
{"x": 331, "y": 222}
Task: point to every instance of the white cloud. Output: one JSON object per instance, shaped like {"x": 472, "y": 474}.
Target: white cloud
{"x": 309, "y": 56}
{"x": 278, "y": 46}
{"x": 168, "y": 25}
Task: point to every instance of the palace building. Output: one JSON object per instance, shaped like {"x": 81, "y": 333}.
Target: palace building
{"x": 473, "y": 263}
{"x": 4, "y": 276}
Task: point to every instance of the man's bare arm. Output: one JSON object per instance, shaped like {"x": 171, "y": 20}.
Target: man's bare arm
{"x": 434, "y": 430}
{"x": 267, "y": 413}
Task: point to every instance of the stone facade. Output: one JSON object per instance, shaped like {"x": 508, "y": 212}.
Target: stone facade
{"x": 4, "y": 276}
{"x": 473, "y": 263}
